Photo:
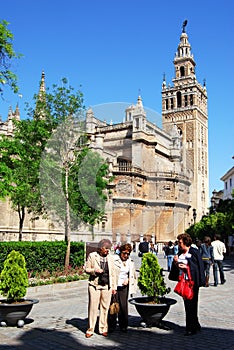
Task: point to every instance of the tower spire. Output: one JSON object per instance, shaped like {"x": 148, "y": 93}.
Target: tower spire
{"x": 42, "y": 89}
{"x": 41, "y": 99}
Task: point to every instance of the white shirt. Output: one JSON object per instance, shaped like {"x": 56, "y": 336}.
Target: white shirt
{"x": 183, "y": 258}
{"x": 124, "y": 272}
{"x": 219, "y": 249}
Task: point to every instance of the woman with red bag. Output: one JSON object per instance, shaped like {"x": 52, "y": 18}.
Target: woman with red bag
{"x": 189, "y": 258}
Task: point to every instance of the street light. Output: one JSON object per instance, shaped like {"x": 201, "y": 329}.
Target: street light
{"x": 194, "y": 215}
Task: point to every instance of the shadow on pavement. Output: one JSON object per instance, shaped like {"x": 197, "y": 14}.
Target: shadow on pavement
{"x": 79, "y": 323}
{"x": 40, "y": 338}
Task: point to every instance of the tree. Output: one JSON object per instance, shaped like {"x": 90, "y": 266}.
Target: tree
{"x": 19, "y": 168}
{"x": 220, "y": 220}
{"x": 73, "y": 178}
{"x": 7, "y": 54}
{"x": 47, "y": 168}
{"x": 21, "y": 154}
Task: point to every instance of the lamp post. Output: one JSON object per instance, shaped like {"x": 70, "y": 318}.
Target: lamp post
{"x": 194, "y": 215}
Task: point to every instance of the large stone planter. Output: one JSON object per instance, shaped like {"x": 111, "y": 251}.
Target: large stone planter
{"x": 152, "y": 314}
{"x": 14, "y": 314}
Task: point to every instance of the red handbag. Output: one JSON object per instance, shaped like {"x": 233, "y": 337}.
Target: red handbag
{"x": 185, "y": 286}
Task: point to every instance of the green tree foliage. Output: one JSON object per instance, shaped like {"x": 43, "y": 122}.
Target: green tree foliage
{"x": 19, "y": 168}
{"x": 220, "y": 220}
{"x": 21, "y": 154}
{"x": 73, "y": 179}
{"x": 88, "y": 183}
{"x": 14, "y": 277}
{"x": 7, "y": 54}
{"x": 151, "y": 281}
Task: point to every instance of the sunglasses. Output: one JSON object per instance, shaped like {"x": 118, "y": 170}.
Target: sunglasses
{"x": 125, "y": 253}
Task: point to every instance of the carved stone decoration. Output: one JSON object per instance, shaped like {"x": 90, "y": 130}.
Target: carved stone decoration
{"x": 124, "y": 187}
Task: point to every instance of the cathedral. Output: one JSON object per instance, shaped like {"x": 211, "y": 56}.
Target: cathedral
{"x": 160, "y": 175}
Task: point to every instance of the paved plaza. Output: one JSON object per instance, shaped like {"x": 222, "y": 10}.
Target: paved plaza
{"x": 59, "y": 321}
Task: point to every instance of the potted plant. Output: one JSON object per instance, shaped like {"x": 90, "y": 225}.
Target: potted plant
{"x": 13, "y": 286}
{"x": 152, "y": 305}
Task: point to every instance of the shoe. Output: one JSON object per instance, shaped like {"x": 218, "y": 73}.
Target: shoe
{"x": 88, "y": 335}
{"x": 223, "y": 281}
{"x": 215, "y": 284}
{"x": 105, "y": 334}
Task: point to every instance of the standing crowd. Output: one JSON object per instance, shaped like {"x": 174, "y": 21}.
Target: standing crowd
{"x": 112, "y": 277}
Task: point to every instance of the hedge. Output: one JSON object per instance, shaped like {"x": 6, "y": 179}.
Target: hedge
{"x": 41, "y": 256}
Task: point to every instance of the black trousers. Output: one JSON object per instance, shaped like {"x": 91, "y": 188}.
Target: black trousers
{"x": 122, "y": 297}
{"x": 191, "y": 311}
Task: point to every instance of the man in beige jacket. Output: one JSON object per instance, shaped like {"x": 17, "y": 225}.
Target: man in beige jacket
{"x": 102, "y": 284}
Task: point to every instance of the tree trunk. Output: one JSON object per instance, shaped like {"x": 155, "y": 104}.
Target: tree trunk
{"x": 67, "y": 223}
{"x": 21, "y": 213}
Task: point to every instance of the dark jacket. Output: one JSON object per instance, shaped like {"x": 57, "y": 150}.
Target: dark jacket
{"x": 196, "y": 267}
{"x": 144, "y": 247}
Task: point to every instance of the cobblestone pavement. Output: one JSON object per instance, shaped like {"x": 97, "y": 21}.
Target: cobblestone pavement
{"x": 59, "y": 321}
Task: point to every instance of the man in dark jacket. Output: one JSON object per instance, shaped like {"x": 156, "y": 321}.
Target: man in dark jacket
{"x": 143, "y": 247}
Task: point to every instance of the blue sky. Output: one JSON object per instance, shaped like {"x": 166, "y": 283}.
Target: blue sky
{"x": 116, "y": 48}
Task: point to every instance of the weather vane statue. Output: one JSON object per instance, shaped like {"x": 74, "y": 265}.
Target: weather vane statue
{"x": 184, "y": 25}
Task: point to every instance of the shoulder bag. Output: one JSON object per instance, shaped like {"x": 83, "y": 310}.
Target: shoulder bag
{"x": 114, "y": 306}
{"x": 185, "y": 286}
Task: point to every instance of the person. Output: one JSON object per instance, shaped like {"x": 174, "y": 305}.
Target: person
{"x": 156, "y": 248}
{"x": 164, "y": 250}
{"x": 219, "y": 250}
{"x": 126, "y": 285}
{"x": 176, "y": 247}
{"x": 198, "y": 244}
{"x": 189, "y": 257}
{"x": 169, "y": 254}
{"x": 206, "y": 251}
{"x": 116, "y": 248}
{"x": 143, "y": 247}
{"x": 152, "y": 248}
{"x": 102, "y": 284}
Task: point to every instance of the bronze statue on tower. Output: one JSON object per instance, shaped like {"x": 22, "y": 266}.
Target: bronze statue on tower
{"x": 184, "y": 25}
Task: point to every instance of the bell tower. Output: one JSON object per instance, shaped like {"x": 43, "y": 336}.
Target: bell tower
{"x": 184, "y": 104}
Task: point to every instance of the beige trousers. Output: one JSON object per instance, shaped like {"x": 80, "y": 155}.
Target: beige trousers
{"x": 98, "y": 298}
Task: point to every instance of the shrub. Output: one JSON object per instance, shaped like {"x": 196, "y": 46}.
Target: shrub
{"x": 14, "y": 277}
{"x": 151, "y": 281}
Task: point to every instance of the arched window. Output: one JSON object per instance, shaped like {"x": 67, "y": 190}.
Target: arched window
{"x": 178, "y": 95}
{"x": 167, "y": 103}
{"x": 172, "y": 103}
{"x": 182, "y": 71}
{"x": 137, "y": 124}
{"x": 191, "y": 99}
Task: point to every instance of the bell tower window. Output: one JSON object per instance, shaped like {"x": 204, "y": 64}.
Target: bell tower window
{"x": 178, "y": 95}
{"x": 172, "y": 103}
{"x": 191, "y": 99}
{"x": 167, "y": 103}
{"x": 182, "y": 72}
